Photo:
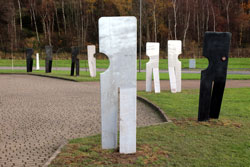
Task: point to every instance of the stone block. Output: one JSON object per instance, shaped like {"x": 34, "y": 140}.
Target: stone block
{"x": 213, "y": 79}
{"x": 174, "y": 50}
{"x": 48, "y": 59}
{"x": 192, "y": 63}
{"x": 37, "y": 62}
{"x": 118, "y": 41}
{"x": 75, "y": 62}
{"x": 92, "y": 60}
{"x": 29, "y": 59}
{"x": 153, "y": 51}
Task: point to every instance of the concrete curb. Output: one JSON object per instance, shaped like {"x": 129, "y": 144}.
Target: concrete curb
{"x": 58, "y": 151}
{"x": 158, "y": 109}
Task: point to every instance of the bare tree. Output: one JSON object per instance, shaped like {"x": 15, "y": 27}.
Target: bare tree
{"x": 175, "y": 18}
{"x": 20, "y": 14}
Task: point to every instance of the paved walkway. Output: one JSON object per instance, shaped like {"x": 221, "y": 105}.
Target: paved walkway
{"x": 190, "y": 71}
{"x": 38, "y": 114}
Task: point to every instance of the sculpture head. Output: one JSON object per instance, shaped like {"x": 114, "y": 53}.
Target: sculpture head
{"x": 49, "y": 51}
{"x": 29, "y": 53}
{"x": 216, "y": 47}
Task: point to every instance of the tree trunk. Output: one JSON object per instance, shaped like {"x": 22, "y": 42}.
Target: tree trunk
{"x": 57, "y": 20}
{"x": 155, "y": 24}
{"x": 175, "y": 19}
{"x": 227, "y": 9}
{"x": 34, "y": 19}
{"x": 20, "y": 15}
{"x": 214, "y": 17}
{"x": 64, "y": 18}
{"x": 187, "y": 19}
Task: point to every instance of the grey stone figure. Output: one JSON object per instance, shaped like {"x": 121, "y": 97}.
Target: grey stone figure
{"x": 75, "y": 61}
{"x": 29, "y": 59}
{"x": 213, "y": 79}
{"x": 48, "y": 59}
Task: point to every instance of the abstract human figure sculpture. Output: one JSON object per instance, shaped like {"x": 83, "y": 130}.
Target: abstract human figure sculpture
{"x": 29, "y": 59}
{"x": 174, "y": 65}
{"x": 92, "y": 60}
{"x": 213, "y": 79}
{"x": 118, "y": 41}
{"x": 37, "y": 62}
{"x": 48, "y": 59}
{"x": 153, "y": 51}
{"x": 75, "y": 62}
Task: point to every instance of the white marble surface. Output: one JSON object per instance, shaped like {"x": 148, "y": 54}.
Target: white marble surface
{"x": 37, "y": 62}
{"x": 118, "y": 41}
{"x": 127, "y": 120}
{"x": 153, "y": 52}
{"x": 174, "y": 50}
{"x": 92, "y": 60}
{"x": 172, "y": 79}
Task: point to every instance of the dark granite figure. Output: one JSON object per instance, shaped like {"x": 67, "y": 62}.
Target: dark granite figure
{"x": 213, "y": 79}
{"x": 29, "y": 59}
{"x": 48, "y": 59}
{"x": 75, "y": 61}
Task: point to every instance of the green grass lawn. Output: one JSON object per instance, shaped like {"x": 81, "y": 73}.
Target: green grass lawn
{"x": 184, "y": 142}
{"x": 234, "y": 63}
{"x": 85, "y": 76}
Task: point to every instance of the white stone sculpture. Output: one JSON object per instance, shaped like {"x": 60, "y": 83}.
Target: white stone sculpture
{"x": 118, "y": 41}
{"x": 92, "y": 60}
{"x": 174, "y": 65}
{"x": 37, "y": 62}
{"x": 153, "y": 51}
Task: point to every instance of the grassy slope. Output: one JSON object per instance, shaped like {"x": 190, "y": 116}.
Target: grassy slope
{"x": 185, "y": 142}
{"x": 201, "y": 63}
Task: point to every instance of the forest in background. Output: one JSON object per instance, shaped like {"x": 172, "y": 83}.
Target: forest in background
{"x": 66, "y": 23}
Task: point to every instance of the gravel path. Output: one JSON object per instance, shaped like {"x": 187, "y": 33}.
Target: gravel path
{"x": 38, "y": 114}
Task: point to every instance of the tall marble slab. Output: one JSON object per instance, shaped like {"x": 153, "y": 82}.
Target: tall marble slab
{"x": 118, "y": 41}
{"x": 174, "y": 50}
{"x": 48, "y": 59}
{"x": 37, "y": 62}
{"x": 92, "y": 60}
{"x": 29, "y": 59}
{"x": 75, "y": 64}
{"x": 213, "y": 79}
{"x": 153, "y": 52}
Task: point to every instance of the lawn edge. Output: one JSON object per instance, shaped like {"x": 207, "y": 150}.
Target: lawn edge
{"x": 161, "y": 113}
{"x": 55, "y": 154}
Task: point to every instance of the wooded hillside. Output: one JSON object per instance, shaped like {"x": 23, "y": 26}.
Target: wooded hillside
{"x": 64, "y": 23}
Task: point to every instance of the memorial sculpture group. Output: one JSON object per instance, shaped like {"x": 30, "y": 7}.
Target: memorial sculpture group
{"x": 117, "y": 37}
{"x": 118, "y": 41}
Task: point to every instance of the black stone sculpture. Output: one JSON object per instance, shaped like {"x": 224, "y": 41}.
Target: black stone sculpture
{"x": 75, "y": 61}
{"x": 213, "y": 79}
{"x": 48, "y": 59}
{"x": 29, "y": 59}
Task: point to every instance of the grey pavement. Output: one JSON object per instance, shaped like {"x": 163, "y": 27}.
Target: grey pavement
{"x": 39, "y": 114}
{"x": 190, "y": 71}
